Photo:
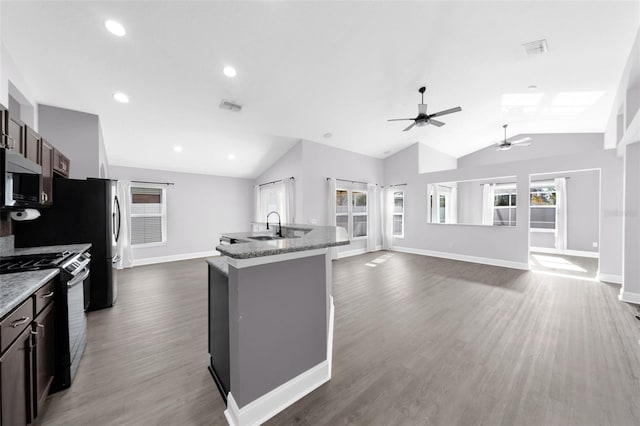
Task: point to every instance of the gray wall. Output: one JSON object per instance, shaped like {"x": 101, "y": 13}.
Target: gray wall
{"x": 542, "y": 146}
{"x": 289, "y": 165}
{"x": 311, "y": 163}
{"x": 199, "y": 209}
{"x": 74, "y": 133}
{"x": 583, "y": 212}
{"x": 432, "y": 160}
{"x": 631, "y": 284}
{"x": 509, "y": 244}
{"x": 103, "y": 162}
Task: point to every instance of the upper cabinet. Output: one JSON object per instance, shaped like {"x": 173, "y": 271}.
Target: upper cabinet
{"x": 46, "y": 161}
{"x": 61, "y": 163}
{"x": 32, "y": 145}
{"x": 22, "y": 139}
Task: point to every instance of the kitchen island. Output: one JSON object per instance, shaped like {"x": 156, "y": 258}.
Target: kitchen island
{"x": 271, "y": 317}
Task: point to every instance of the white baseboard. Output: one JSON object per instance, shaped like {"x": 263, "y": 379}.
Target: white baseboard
{"x": 270, "y": 404}
{"x": 578, "y": 253}
{"x": 609, "y": 278}
{"x": 350, "y": 253}
{"x": 173, "y": 258}
{"x": 465, "y": 258}
{"x": 627, "y": 296}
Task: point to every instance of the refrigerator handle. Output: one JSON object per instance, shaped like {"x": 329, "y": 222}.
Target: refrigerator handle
{"x": 119, "y": 218}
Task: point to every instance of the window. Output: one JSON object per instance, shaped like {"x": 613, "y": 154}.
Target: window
{"x": 148, "y": 216}
{"x": 398, "y": 214}
{"x": 272, "y": 199}
{"x": 543, "y": 206}
{"x": 504, "y": 206}
{"x": 351, "y": 211}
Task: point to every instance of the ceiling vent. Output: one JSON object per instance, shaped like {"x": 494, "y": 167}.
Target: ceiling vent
{"x": 230, "y": 106}
{"x": 537, "y": 47}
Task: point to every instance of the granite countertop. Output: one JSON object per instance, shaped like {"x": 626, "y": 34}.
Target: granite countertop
{"x": 220, "y": 263}
{"x": 75, "y": 248}
{"x": 16, "y": 288}
{"x": 311, "y": 237}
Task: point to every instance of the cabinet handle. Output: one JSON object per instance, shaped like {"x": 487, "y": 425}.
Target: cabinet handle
{"x": 38, "y": 325}
{"x": 47, "y": 295}
{"x": 19, "y": 322}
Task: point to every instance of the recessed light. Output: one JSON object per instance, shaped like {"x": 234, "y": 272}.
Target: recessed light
{"x": 177, "y": 148}
{"x": 229, "y": 71}
{"x": 327, "y": 135}
{"x": 231, "y": 157}
{"x": 121, "y": 97}
{"x": 576, "y": 98}
{"x": 115, "y": 27}
{"x": 521, "y": 99}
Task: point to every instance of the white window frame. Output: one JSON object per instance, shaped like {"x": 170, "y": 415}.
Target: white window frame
{"x": 504, "y": 191}
{"x": 531, "y": 206}
{"x": 276, "y": 187}
{"x": 401, "y": 235}
{"x": 350, "y": 213}
{"x": 162, "y": 214}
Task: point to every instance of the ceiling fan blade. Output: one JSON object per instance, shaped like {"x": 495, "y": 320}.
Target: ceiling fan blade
{"x": 446, "y": 111}
{"x": 410, "y": 127}
{"x": 520, "y": 144}
{"x": 436, "y": 122}
{"x": 401, "y": 119}
{"x": 422, "y": 108}
{"x": 519, "y": 140}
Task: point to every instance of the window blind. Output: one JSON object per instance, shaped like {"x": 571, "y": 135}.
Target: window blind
{"x": 146, "y": 215}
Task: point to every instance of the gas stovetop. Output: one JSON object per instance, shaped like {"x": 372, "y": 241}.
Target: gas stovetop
{"x": 32, "y": 262}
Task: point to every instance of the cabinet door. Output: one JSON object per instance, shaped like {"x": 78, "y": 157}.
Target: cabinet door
{"x": 15, "y": 375}
{"x": 46, "y": 154}
{"x": 44, "y": 362}
{"x": 17, "y": 131}
{"x": 32, "y": 145}
{"x": 61, "y": 163}
{"x": 4, "y": 126}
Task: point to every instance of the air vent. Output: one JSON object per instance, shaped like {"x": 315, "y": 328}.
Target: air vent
{"x": 537, "y": 47}
{"x": 230, "y": 106}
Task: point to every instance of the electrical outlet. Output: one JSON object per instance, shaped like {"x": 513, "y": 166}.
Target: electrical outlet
{"x": 595, "y": 244}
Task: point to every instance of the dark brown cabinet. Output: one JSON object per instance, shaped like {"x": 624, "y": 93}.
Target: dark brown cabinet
{"x": 15, "y": 374}
{"x": 46, "y": 161}
{"x": 32, "y": 145}
{"x": 61, "y": 163}
{"x": 44, "y": 356}
{"x": 16, "y": 134}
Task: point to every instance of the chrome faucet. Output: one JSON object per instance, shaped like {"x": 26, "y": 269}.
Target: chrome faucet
{"x": 279, "y": 233}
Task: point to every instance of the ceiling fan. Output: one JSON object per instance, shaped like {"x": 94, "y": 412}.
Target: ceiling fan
{"x": 506, "y": 144}
{"x": 423, "y": 118}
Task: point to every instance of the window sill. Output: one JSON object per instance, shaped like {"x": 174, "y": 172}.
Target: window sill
{"x": 542, "y": 230}
{"x": 147, "y": 245}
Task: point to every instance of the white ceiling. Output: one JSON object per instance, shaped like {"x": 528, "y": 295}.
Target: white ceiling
{"x": 308, "y": 68}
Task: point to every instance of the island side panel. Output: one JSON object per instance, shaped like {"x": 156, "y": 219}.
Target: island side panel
{"x": 278, "y": 324}
{"x": 219, "y": 328}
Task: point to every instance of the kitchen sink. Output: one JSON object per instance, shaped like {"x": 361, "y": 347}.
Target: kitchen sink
{"x": 265, "y": 237}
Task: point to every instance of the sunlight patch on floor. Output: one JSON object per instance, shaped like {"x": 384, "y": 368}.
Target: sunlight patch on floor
{"x": 378, "y": 260}
{"x": 554, "y": 262}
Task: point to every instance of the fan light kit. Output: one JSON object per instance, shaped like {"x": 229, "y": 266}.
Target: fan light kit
{"x": 121, "y": 97}
{"x": 423, "y": 118}
{"x": 507, "y": 144}
{"x": 115, "y": 27}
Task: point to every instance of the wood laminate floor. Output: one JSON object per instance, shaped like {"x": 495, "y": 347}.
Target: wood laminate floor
{"x": 418, "y": 341}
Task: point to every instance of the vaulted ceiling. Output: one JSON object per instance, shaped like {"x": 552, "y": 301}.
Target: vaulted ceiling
{"x": 305, "y": 69}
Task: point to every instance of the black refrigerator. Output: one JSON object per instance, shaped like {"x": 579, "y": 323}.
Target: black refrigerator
{"x": 83, "y": 211}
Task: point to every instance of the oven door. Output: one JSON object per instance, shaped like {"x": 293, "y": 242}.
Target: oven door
{"x": 77, "y": 318}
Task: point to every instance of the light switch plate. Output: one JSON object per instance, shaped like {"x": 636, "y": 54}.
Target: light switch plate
{"x": 595, "y": 244}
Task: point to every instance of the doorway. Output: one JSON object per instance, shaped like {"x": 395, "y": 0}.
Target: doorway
{"x": 564, "y": 223}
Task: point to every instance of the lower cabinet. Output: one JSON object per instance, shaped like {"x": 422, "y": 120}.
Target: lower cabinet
{"x": 27, "y": 362}
{"x": 15, "y": 374}
{"x": 44, "y": 356}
